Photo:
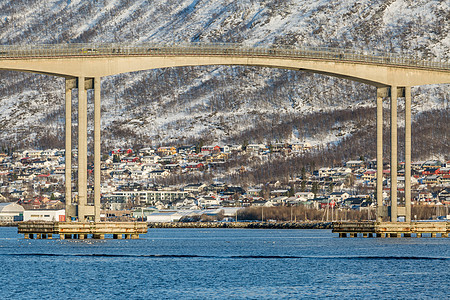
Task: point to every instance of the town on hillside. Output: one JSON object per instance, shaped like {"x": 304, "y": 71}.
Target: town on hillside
{"x": 136, "y": 185}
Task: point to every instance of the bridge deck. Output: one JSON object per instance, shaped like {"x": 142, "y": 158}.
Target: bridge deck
{"x": 219, "y": 49}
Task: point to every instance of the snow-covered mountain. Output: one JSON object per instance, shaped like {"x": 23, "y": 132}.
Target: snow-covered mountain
{"x": 215, "y": 103}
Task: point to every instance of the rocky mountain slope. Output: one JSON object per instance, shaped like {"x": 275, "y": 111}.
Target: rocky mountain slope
{"x": 220, "y": 103}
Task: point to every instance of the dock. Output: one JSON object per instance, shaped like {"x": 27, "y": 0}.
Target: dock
{"x": 82, "y": 230}
{"x": 392, "y": 229}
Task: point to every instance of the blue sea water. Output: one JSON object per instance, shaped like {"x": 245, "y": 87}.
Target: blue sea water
{"x": 225, "y": 264}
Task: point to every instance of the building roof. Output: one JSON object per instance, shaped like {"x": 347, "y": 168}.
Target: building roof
{"x": 11, "y": 207}
{"x": 355, "y": 162}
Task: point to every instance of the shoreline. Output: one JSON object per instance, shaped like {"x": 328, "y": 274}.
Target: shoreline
{"x": 249, "y": 225}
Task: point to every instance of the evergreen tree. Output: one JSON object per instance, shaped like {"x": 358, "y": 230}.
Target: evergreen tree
{"x": 315, "y": 188}
{"x": 303, "y": 186}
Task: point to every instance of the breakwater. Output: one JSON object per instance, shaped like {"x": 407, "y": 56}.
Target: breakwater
{"x": 254, "y": 225}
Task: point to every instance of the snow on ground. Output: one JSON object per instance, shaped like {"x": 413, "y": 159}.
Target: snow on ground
{"x": 420, "y": 27}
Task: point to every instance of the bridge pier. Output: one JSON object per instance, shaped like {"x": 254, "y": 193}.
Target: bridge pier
{"x": 82, "y": 211}
{"x": 394, "y": 142}
{"x": 382, "y": 212}
{"x": 82, "y": 149}
{"x": 408, "y": 153}
{"x": 97, "y": 148}
{"x": 68, "y": 148}
{"x": 381, "y": 92}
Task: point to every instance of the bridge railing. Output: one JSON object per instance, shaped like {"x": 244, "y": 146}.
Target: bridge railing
{"x": 217, "y": 49}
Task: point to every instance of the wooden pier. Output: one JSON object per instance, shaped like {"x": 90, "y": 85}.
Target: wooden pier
{"x": 79, "y": 230}
{"x": 392, "y": 229}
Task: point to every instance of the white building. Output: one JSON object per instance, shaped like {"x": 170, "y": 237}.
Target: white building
{"x": 165, "y": 216}
{"x": 32, "y": 153}
{"x": 256, "y": 147}
{"x": 300, "y": 146}
{"x": 208, "y": 201}
{"x": 339, "y": 196}
{"x": 10, "y": 212}
{"x": 325, "y": 172}
{"x": 148, "y": 196}
{"x": 304, "y": 196}
{"x": 235, "y": 147}
{"x": 45, "y": 215}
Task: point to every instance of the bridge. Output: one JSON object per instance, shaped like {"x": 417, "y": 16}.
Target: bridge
{"x": 83, "y": 66}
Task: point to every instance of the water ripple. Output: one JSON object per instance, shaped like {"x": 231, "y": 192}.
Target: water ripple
{"x": 233, "y": 256}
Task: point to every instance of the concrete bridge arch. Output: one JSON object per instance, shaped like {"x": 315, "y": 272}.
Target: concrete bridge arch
{"x": 379, "y": 74}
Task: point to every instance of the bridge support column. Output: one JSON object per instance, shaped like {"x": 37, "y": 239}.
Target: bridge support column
{"x": 70, "y": 84}
{"x": 82, "y": 149}
{"x": 380, "y": 94}
{"x": 393, "y": 154}
{"x": 408, "y": 153}
{"x": 68, "y": 150}
{"x": 97, "y": 147}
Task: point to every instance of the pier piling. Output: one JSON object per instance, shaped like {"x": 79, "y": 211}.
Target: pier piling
{"x": 392, "y": 229}
{"x": 82, "y": 230}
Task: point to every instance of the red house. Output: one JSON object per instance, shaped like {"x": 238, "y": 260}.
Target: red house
{"x": 130, "y": 159}
{"x": 443, "y": 171}
{"x": 211, "y": 149}
{"x": 431, "y": 171}
{"x": 194, "y": 165}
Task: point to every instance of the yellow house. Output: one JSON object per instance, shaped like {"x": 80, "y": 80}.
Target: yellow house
{"x": 164, "y": 151}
